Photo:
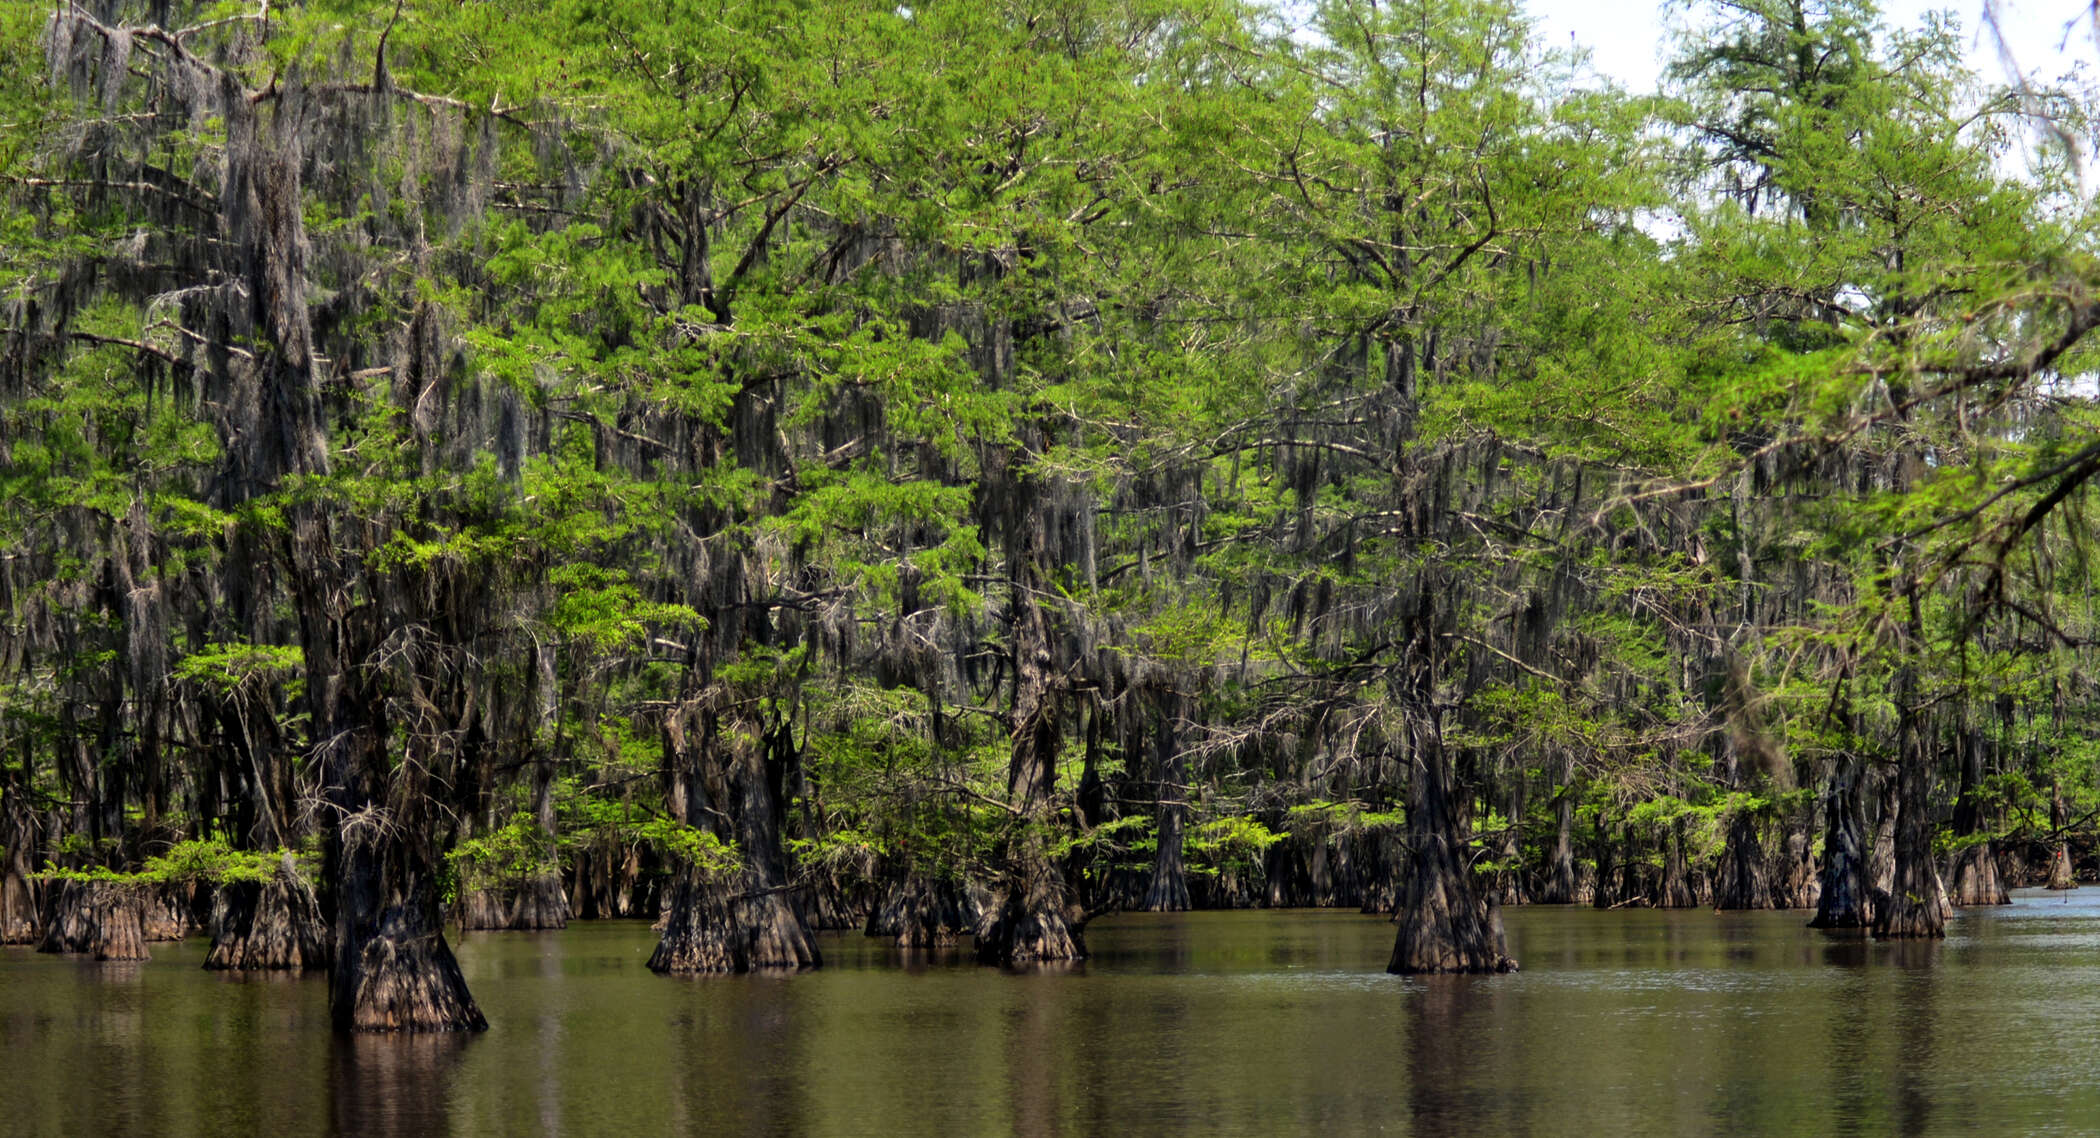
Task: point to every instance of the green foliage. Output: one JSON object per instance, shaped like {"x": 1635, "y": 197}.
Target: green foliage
{"x": 1227, "y": 845}
{"x": 509, "y": 855}
{"x": 207, "y": 860}
{"x": 1381, "y": 400}
{"x": 690, "y": 846}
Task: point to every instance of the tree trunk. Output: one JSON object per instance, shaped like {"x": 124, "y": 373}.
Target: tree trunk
{"x": 1034, "y": 919}
{"x": 1168, "y": 891}
{"x": 1561, "y": 882}
{"x": 166, "y": 912}
{"x": 18, "y": 906}
{"x": 1741, "y": 883}
{"x": 1445, "y": 925}
{"x": 2060, "y": 875}
{"x": 1844, "y": 901}
{"x": 538, "y": 902}
{"x": 1603, "y": 895}
{"x": 714, "y": 926}
{"x": 391, "y": 968}
{"x": 102, "y": 919}
{"x": 1677, "y": 890}
{"x": 1510, "y": 880}
{"x": 1794, "y": 883}
{"x": 1916, "y": 905}
{"x": 745, "y": 920}
{"x": 1975, "y": 866}
{"x": 273, "y": 925}
{"x": 924, "y": 912}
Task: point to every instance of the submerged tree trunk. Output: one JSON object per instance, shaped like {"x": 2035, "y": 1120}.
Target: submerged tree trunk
{"x": 713, "y": 925}
{"x": 1168, "y": 891}
{"x": 1974, "y": 866}
{"x": 926, "y": 912}
{"x": 1034, "y": 918}
{"x": 1677, "y": 890}
{"x": 538, "y": 902}
{"x": 743, "y": 920}
{"x": 1560, "y": 884}
{"x": 268, "y": 925}
{"x": 1603, "y": 893}
{"x": 20, "y": 921}
{"x": 1794, "y": 881}
{"x": 1916, "y": 905}
{"x": 102, "y": 919}
{"x": 167, "y": 912}
{"x": 1844, "y": 902}
{"x": 1741, "y": 883}
{"x": 2060, "y": 875}
{"x": 1881, "y": 863}
{"x": 1445, "y": 925}
{"x": 391, "y": 968}
{"x": 408, "y": 979}
{"x": 18, "y": 908}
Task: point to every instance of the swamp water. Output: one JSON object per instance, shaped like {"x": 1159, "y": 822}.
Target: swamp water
{"x": 1202, "y": 1023}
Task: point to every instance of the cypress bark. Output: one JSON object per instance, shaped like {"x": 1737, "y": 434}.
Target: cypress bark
{"x": 1916, "y": 905}
{"x": 1845, "y": 901}
{"x": 1445, "y": 925}
{"x": 1975, "y": 866}
{"x": 102, "y": 919}
{"x": 2060, "y": 873}
{"x": 745, "y": 919}
{"x": 273, "y": 925}
{"x": 926, "y": 912}
{"x": 1561, "y": 882}
{"x": 537, "y": 901}
{"x": 1741, "y": 883}
{"x": 1034, "y": 918}
{"x": 1677, "y": 892}
{"x": 1168, "y": 891}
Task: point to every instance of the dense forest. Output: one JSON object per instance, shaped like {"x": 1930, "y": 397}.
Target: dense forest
{"x": 954, "y": 470}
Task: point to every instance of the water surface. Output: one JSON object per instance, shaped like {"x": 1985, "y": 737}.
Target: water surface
{"x": 1201, "y": 1023}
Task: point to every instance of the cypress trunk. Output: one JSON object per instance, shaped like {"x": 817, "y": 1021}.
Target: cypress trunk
{"x": 166, "y": 911}
{"x": 1035, "y": 918}
{"x": 711, "y": 925}
{"x": 18, "y": 908}
{"x": 1844, "y": 901}
{"x": 1677, "y": 892}
{"x": 2060, "y": 875}
{"x": 102, "y": 919}
{"x": 1974, "y": 867}
{"x": 1445, "y": 924}
{"x": 1168, "y": 891}
{"x": 1916, "y": 905}
{"x": 1561, "y": 881}
{"x": 391, "y": 968}
{"x": 743, "y": 920}
{"x": 926, "y": 912}
{"x": 20, "y": 922}
{"x": 1742, "y": 883}
{"x": 537, "y": 902}
{"x": 271, "y": 925}
{"x": 1794, "y": 880}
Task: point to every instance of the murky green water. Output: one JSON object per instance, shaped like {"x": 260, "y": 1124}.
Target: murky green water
{"x": 1206, "y": 1023}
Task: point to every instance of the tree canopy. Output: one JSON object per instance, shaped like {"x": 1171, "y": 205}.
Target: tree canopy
{"x": 960, "y": 468}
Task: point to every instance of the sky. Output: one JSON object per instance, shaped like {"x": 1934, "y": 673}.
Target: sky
{"x": 1626, "y": 37}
